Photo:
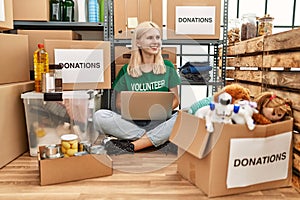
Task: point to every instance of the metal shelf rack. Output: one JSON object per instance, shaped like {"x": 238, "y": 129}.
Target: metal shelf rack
{"x": 217, "y": 80}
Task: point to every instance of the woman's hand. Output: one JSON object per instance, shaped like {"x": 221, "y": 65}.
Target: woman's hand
{"x": 176, "y": 100}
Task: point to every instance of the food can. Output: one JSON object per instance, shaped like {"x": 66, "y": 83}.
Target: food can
{"x": 97, "y": 149}
{"x": 84, "y": 146}
{"x": 69, "y": 144}
{"x": 52, "y": 151}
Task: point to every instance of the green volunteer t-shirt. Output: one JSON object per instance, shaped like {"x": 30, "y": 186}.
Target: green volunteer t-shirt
{"x": 148, "y": 81}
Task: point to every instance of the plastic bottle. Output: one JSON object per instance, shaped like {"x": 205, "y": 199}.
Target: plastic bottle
{"x": 41, "y": 65}
{"x": 55, "y": 10}
{"x": 93, "y": 10}
{"x": 68, "y": 10}
{"x": 82, "y": 10}
{"x": 101, "y": 11}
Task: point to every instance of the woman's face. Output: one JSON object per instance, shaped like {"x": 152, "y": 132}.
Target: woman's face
{"x": 150, "y": 42}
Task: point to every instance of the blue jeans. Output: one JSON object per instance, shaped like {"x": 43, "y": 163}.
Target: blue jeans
{"x": 111, "y": 123}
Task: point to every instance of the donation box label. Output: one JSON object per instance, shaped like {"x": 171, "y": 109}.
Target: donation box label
{"x": 80, "y": 65}
{"x": 199, "y": 20}
{"x": 258, "y": 160}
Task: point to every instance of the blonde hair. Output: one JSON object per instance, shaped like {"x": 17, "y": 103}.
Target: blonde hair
{"x": 136, "y": 55}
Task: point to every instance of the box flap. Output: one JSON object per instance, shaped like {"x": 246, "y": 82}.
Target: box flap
{"x": 189, "y": 133}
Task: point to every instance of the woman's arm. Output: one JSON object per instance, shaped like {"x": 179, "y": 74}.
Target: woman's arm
{"x": 118, "y": 101}
{"x": 176, "y": 100}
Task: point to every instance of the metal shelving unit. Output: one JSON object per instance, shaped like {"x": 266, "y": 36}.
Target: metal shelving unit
{"x": 216, "y": 80}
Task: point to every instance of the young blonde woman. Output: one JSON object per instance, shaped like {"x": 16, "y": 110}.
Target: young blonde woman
{"x": 146, "y": 67}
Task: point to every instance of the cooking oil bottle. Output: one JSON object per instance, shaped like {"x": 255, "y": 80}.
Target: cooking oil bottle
{"x": 41, "y": 65}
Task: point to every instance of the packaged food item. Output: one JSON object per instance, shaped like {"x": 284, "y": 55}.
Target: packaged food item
{"x": 265, "y": 25}
{"x": 248, "y": 26}
{"x": 52, "y": 151}
{"x": 48, "y": 82}
{"x": 234, "y": 31}
{"x": 56, "y": 72}
{"x": 69, "y": 144}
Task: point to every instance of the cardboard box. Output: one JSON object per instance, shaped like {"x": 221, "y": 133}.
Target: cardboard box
{"x": 92, "y": 60}
{"x": 14, "y": 58}
{"x": 233, "y": 159}
{"x": 6, "y": 15}
{"x": 12, "y": 121}
{"x": 74, "y": 168}
{"x": 132, "y": 12}
{"x": 186, "y": 19}
{"x": 123, "y": 54}
{"x": 31, "y": 10}
{"x": 37, "y": 36}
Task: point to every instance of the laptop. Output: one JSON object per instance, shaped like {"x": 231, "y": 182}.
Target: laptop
{"x": 146, "y": 105}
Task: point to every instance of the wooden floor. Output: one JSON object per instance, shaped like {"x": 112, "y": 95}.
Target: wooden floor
{"x": 150, "y": 175}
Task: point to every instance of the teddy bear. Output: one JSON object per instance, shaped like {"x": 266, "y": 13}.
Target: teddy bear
{"x": 271, "y": 108}
{"x": 236, "y": 91}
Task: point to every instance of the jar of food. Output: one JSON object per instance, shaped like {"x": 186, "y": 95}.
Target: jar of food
{"x": 248, "y": 26}
{"x": 56, "y": 70}
{"x": 69, "y": 144}
{"x": 265, "y": 25}
{"x": 233, "y": 31}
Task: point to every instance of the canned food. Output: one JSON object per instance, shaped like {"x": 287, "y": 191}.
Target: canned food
{"x": 84, "y": 146}
{"x": 69, "y": 144}
{"x": 52, "y": 151}
{"x": 81, "y": 153}
{"x": 97, "y": 149}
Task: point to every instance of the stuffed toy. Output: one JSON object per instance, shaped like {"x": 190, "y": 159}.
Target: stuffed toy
{"x": 224, "y": 112}
{"x": 243, "y": 112}
{"x": 236, "y": 91}
{"x": 219, "y": 112}
{"x": 271, "y": 108}
{"x": 204, "y": 109}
